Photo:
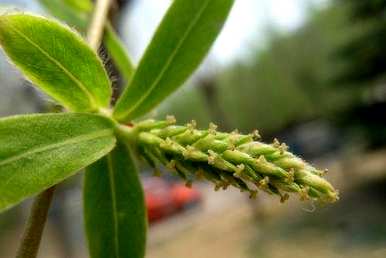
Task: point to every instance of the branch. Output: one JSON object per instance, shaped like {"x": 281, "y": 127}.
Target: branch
{"x": 95, "y": 32}
{"x": 29, "y": 245}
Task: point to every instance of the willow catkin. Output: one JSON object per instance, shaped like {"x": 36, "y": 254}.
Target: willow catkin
{"x": 230, "y": 159}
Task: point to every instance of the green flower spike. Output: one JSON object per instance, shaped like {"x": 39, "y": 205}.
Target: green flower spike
{"x": 229, "y": 159}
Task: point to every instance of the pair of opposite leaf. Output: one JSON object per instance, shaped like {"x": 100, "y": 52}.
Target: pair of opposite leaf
{"x": 38, "y": 151}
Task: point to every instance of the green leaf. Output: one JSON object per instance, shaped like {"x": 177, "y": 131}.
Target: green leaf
{"x": 118, "y": 53}
{"x": 80, "y": 5}
{"x": 38, "y": 151}
{"x": 57, "y": 60}
{"x": 179, "y": 45}
{"x": 114, "y": 207}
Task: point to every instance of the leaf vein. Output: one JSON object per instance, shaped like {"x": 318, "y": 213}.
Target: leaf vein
{"x": 114, "y": 204}
{"x": 78, "y": 139}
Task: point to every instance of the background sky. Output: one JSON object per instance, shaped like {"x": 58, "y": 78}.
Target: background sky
{"x": 244, "y": 29}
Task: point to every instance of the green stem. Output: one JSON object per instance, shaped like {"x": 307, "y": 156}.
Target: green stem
{"x": 29, "y": 245}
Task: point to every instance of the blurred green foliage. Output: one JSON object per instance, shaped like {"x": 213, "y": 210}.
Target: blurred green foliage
{"x": 295, "y": 77}
{"x": 364, "y": 55}
{"x": 285, "y": 82}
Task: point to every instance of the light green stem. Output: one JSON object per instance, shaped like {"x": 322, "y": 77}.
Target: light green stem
{"x": 95, "y": 32}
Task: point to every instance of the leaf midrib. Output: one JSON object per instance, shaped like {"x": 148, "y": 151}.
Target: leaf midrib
{"x": 64, "y": 69}
{"x": 114, "y": 204}
{"x": 170, "y": 59}
{"x": 74, "y": 140}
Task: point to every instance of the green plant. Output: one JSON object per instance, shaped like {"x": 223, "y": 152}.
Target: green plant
{"x": 39, "y": 151}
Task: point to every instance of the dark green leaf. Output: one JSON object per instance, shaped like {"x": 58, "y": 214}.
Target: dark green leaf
{"x": 177, "y": 48}
{"x": 38, "y": 151}
{"x": 64, "y": 12}
{"x": 114, "y": 208}
{"x": 57, "y": 60}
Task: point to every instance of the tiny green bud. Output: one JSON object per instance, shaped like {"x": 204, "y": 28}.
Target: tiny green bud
{"x": 212, "y": 128}
{"x": 276, "y": 143}
{"x": 192, "y": 125}
{"x": 256, "y": 135}
{"x": 263, "y": 183}
{"x": 171, "y": 119}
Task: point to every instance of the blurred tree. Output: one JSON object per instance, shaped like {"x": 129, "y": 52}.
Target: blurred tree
{"x": 292, "y": 74}
{"x": 364, "y": 67}
{"x": 298, "y": 73}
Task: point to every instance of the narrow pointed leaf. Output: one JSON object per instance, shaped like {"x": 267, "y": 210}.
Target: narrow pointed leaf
{"x": 114, "y": 209}
{"x": 56, "y": 60}
{"x": 38, "y": 151}
{"x": 179, "y": 45}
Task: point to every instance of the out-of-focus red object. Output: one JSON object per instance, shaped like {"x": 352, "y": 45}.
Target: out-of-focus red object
{"x": 164, "y": 199}
{"x": 184, "y": 197}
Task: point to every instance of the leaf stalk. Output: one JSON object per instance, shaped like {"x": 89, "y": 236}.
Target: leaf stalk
{"x": 29, "y": 246}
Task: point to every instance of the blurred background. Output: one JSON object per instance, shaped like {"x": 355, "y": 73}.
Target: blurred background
{"x": 310, "y": 72}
